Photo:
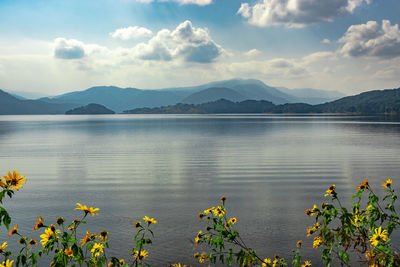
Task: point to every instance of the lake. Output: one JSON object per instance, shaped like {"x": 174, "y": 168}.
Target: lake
{"x": 171, "y": 167}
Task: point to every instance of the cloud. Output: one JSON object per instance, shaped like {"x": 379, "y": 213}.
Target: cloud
{"x": 185, "y": 42}
{"x": 296, "y": 13}
{"x": 132, "y": 32}
{"x": 326, "y": 41}
{"x": 252, "y": 52}
{"x": 370, "y": 39}
{"x": 68, "y": 49}
{"x": 181, "y": 2}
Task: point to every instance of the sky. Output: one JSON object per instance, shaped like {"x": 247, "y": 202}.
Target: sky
{"x": 53, "y": 47}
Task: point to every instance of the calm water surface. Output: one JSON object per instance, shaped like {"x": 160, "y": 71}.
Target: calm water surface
{"x": 171, "y": 167}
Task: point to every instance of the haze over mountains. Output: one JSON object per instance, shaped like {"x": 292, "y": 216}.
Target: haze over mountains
{"x": 120, "y": 99}
{"x": 367, "y": 103}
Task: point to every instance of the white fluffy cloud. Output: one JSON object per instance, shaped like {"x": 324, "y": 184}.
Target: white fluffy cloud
{"x": 132, "y": 32}
{"x": 371, "y": 39}
{"x": 181, "y": 2}
{"x": 74, "y": 49}
{"x": 296, "y": 13}
{"x": 185, "y": 42}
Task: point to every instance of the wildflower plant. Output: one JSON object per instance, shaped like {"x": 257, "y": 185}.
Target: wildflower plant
{"x": 142, "y": 239}
{"x": 363, "y": 230}
{"x": 225, "y": 242}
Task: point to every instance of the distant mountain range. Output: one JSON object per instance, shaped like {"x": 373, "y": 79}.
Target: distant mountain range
{"x": 10, "y": 105}
{"x": 373, "y": 102}
{"x": 191, "y": 99}
{"x": 120, "y": 99}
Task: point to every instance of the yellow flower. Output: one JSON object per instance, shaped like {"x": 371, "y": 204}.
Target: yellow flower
{"x": 310, "y": 231}
{"x": 69, "y": 252}
{"x": 266, "y": 262}
{"x": 275, "y": 262}
{"x": 60, "y": 221}
{"x": 378, "y": 236}
{"x": 88, "y": 237}
{"x": 7, "y": 263}
{"x": 137, "y": 225}
{"x": 197, "y": 239}
{"x": 91, "y": 211}
{"x": 3, "y": 247}
{"x": 178, "y": 265}
{"x": 14, "y": 230}
{"x": 314, "y": 210}
{"x": 208, "y": 211}
{"x": 330, "y": 190}
{"x": 387, "y": 183}
{"x": 203, "y": 257}
{"x": 149, "y": 220}
{"x": 39, "y": 223}
{"x": 141, "y": 255}
{"x": 232, "y": 220}
{"x": 32, "y": 242}
{"x": 223, "y": 199}
{"x": 299, "y": 243}
{"x": 219, "y": 211}
{"x": 356, "y": 219}
{"x": 49, "y": 234}
{"x": 14, "y": 180}
{"x": 324, "y": 206}
{"x": 363, "y": 185}
{"x": 121, "y": 261}
{"x": 103, "y": 235}
{"x": 306, "y": 264}
{"x": 97, "y": 249}
{"x": 317, "y": 242}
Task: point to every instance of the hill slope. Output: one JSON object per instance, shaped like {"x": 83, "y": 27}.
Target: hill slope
{"x": 10, "y": 105}
{"x": 213, "y": 94}
{"x": 373, "y": 102}
{"x": 92, "y": 108}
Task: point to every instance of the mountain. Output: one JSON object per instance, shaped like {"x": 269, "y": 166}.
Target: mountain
{"x": 312, "y": 96}
{"x": 371, "y": 102}
{"x": 10, "y": 105}
{"x": 368, "y": 103}
{"x": 219, "y": 106}
{"x": 120, "y": 99}
{"x": 92, "y": 108}
{"x": 213, "y": 94}
{"x": 226, "y": 106}
{"x": 250, "y": 88}
{"x": 26, "y": 95}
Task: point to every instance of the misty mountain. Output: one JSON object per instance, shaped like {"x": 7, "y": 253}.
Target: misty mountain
{"x": 120, "y": 99}
{"x": 368, "y": 103}
{"x": 10, "y": 105}
{"x": 213, "y": 94}
{"x": 312, "y": 96}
